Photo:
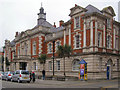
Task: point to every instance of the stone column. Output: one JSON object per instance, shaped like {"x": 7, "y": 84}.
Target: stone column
{"x": 69, "y": 36}
{"x": 96, "y": 36}
{"x": 64, "y": 37}
{"x": 84, "y": 37}
{"x": 91, "y": 35}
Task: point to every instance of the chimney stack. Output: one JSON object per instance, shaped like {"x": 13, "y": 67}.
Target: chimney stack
{"x": 16, "y": 34}
{"x": 54, "y": 24}
{"x": 61, "y": 22}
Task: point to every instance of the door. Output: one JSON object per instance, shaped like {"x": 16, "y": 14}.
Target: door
{"x": 108, "y": 72}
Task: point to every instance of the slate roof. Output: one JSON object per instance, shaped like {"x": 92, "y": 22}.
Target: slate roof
{"x": 12, "y": 43}
{"x": 92, "y": 9}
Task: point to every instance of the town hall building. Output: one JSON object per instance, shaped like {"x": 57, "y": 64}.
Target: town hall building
{"x": 93, "y": 34}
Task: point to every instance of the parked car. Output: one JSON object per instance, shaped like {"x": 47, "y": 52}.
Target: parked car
{"x": 9, "y": 75}
{"x": 4, "y": 76}
{"x": 1, "y": 74}
{"x": 21, "y": 75}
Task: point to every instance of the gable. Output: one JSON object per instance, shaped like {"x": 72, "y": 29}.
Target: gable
{"x": 77, "y": 9}
{"x": 109, "y": 10}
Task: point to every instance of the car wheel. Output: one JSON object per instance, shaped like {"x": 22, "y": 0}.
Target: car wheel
{"x": 11, "y": 80}
{"x": 28, "y": 81}
{"x": 6, "y": 79}
{"x": 19, "y": 81}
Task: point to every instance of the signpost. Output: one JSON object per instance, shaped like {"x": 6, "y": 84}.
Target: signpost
{"x": 83, "y": 70}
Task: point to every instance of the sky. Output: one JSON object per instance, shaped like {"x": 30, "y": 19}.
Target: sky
{"x": 20, "y": 15}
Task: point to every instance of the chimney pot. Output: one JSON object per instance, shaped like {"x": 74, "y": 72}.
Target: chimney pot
{"x": 16, "y": 34}
{"x": 54, "y": 24}
{"x": 61, "y": 22}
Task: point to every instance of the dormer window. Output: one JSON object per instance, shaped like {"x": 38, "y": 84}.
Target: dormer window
{"x": 77, "y": 22}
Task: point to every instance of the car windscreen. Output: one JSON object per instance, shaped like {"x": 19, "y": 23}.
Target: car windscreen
{"x": 24, "y": 72}
{"x": 11, "y": 72}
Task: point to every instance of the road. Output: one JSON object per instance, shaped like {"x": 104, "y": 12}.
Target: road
{"x": 62, "y": 84}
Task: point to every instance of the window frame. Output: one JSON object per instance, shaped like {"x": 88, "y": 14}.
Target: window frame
{"x": 58, "y": 65}
{"x": 74, "y": 65}
{"x": 77, "y": 20}
{"x": 34, "y": 48}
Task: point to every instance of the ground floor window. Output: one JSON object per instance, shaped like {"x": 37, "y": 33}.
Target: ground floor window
{"x": 75, "y": 65}
{"x": 34, "y": 65}
{"x": 58, "y": 65}
{"x": 50, "y": 65}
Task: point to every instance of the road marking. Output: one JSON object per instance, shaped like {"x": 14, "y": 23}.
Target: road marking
{"x": 112, "y": 86}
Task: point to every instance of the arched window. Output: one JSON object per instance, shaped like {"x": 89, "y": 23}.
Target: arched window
{"x": 75, "y": 65}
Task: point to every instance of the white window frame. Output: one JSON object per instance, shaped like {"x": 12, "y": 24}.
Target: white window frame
{"x": 75, "y": 22}
{"x": 58, "y": 65}
{"x": 34, "y": 48}
{"x": 99, "y": 39}
{"x": 76, "y": 42}
{"x": 26, "y": 46}
{"x": 108, "y": 41}
{"x": 35, "y": 65}
{"x": 75, "y": 65}
{"x": 50, "y": 65}
{"x": 109, "y": 23}
{"x": 49, "y": 48}
{"x": 116, "y": 43}
{"x": 56, "y": 45}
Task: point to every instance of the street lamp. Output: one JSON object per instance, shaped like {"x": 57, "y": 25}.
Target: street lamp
{"x": 53, "y": 56}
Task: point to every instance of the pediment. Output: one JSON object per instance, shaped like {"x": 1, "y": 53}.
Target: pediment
{"x": 109, "y": 10}
{"x": 77, "y": 9}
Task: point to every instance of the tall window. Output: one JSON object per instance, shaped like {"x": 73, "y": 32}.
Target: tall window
{"x": 50, "y": 65}
{"x": 116, "y": 43}
{"x": 108, "y": 41}
{"x": 75, "y": 65}
{"x": 57, "y": 44}
{"x": 34, "y": 48}
{"x": 18, "y": 51}
{"x": 108, "y": 23}
{"x": 77, "y": 22}
{"x": 49, "y": 48}
{"x": 99, "y": 39}
{"x": 118, "y": 64}
{"x": 26, "y": 49}
{"x": 58, "y": 65}
{"x": 77, "y": 41}
{"x": 34, "y": 64}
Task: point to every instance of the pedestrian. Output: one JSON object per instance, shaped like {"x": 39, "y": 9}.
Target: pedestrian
{"x": 43, "y": 73}
{"x": 33, "y": 76}
{"x": 30, "y": 76}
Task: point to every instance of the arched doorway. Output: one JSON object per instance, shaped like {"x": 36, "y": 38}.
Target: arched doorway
{"x": 109, "y": 69}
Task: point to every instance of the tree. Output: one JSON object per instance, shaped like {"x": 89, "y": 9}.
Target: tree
{"x": 64, "y": 51}
{"x": 42, "y": 59}
{"x": 7, "y": 62}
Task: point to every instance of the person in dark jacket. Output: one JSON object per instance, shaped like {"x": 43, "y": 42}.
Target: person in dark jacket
{"x": 30, "y": 76}
{"x": 43, "y": 73}
{"x": 33, "y": 76}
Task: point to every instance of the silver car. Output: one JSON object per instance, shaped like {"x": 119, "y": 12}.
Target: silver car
{"x": 21, "y": 75}
{"x": 4, "y": 75}
{"x": 9, "y": 75}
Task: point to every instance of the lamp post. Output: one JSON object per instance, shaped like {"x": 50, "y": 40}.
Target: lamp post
{"x": 53, "y": 56}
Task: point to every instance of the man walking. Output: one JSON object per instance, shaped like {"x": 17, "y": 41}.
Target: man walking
{"x": 43, "y": 73}
{"x": 33, "y": 76}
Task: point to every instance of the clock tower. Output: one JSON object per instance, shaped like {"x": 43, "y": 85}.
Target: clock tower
{"x": 41, "y": 15}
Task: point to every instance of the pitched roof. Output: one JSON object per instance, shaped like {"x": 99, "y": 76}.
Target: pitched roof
{"x": 91, "y": 9}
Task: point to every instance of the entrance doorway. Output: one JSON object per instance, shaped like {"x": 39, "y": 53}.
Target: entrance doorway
{"x": 23, "y": 65}
{"x": 109, "y": 69}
